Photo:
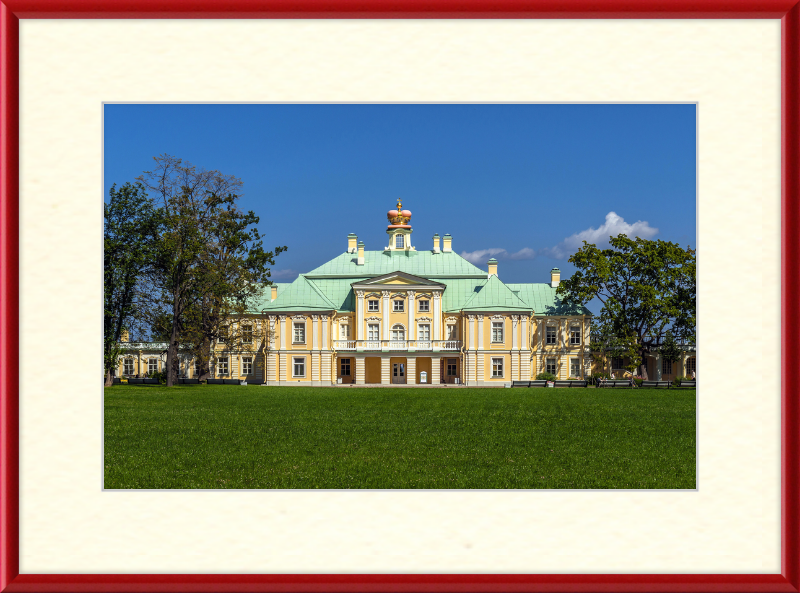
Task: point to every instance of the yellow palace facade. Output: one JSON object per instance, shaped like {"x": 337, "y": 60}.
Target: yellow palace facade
{"x": 399, "y": 315}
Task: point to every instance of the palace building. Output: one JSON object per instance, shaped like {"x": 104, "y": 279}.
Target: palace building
{"x": 399, "y": 315}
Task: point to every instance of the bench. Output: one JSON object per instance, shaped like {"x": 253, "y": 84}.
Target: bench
{"x": 536, "y": 383}
{"x": 210, "y": 381}
{"x": 615, "y": 383}
{"x": 142, "y": 381}
{"x": 232, "y": 381}
{"x": 117, "y": 381}
{"x": 184, "y": 381}
{"x": 657, "y": 384}
{"x": 570, "y": 383}
{"x": 688, "y": 384}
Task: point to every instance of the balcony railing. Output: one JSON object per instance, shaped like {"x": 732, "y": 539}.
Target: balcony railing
{"x": 396, "y": 345}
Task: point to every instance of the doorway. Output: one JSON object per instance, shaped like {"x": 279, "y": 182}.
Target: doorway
{"x": 399, "y": 372}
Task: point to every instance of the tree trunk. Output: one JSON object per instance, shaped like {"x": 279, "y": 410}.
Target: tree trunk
{"x": 109, "y": 378}
{"x": 172, "y": 351}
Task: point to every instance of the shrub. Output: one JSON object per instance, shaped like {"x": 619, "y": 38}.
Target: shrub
{"x": 160, "y": 375}
{"x": 638, "y": 381}
{"x": 545, "y": 377}
{"x": 677, "y": 381}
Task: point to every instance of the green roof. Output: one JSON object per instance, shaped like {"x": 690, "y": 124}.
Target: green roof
{"x": 300, "y": 295}
{"x": 541, "y": 298}
{"x": 492, "y": 295}
{"x": 420, "y": 263}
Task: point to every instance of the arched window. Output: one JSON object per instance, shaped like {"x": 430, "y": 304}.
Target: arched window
{"x": 398, "y": 333}
{"x": 398, "y": 242}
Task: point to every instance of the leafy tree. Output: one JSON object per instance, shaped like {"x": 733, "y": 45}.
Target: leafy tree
{"x": 647, "y": 289}
{"x": 211, "y": 262}
{"x": 130, "y": 229}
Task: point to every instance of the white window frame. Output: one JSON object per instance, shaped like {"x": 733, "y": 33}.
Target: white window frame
{"x": 301, "y": 362}
{"x": 247, "y": 365}
{"x": 501, "y": 328}
{"x": 301, "y": 325}
{"x": 421, "y": 332}
{"x": 125, "y": 362}
{"x": 666, "y": 366}
{"x": 398, "y": 303}
{"x": 573, "y": 340}
{"x": 152, "y": 365}
{"x": 373, "y": 305}
{"x": 247, "y": 333}
{"x": 224, "y": 332}
{"x": 223, "y": 367}
{"x": 344, "y": 331}
{"x": 451, "y": 331}
{"x": 427, "y": 303}
{"x": 497, "y": 373}
{"x": 373, "y": 332}
{"x": 196, "y": 367}
{"x": 550, "y": 330}
{"x": 342, "y": 362}
{"x": 398, "y": 327}
{"x": 574, "y": 363}
{"x": 399, "y": 241}
{"x": 547, "y": 363}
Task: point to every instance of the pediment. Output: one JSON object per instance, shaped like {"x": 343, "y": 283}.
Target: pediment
{"x": 397, "y": 278}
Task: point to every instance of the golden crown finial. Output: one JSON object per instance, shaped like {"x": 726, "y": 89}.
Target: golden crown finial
{"x": 399, "y": 204}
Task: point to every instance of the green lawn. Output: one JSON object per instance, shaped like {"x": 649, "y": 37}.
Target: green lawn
{"x": 227, "y": 436}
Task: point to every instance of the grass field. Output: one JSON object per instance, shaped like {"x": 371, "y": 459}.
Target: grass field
{"x": 227, "y": 436}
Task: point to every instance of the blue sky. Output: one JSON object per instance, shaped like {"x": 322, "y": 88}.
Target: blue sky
{"x": 522, "y": 183}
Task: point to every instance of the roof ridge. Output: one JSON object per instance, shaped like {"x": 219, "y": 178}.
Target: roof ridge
{"x": 318, "y": 291}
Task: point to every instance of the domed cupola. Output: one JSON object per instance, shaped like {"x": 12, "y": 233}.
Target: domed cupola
{"x": 399, "y": 229}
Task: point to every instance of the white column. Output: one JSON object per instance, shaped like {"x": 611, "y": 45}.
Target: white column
{"x": 472, "y": 332}
{"x": 411, "y": 370}
{"x": 525, "y": 342}
{"x": 360, "y": 370}
{"x": 540, "y": 345}
{"x": 562, "y": 329}
{"x": 658, "y": 367}
{"x": 282, "y": 354}
{"x": 359, "y": 315}
{"x": 314, "y": 330}
{"x": 283, "y": 331}
{"x": 386, "y": 371}
{"x": 437, "y": 314}
{"x": 480, "y": 332}
{"x": 436, "y": 375}
{"x": 385, "y": 314}
{"x": 514, "y": 322}
{"x": 325, "y": 357}
{"x": 410, "y": 315}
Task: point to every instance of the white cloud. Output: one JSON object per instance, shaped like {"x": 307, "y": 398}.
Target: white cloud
{"x": 283, "y": 274}
{"x": 613, "y": 226}
{"x": 481, "y": 256}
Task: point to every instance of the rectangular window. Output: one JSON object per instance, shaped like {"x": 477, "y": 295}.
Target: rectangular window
{"x": 152, "y": 365}
{"x": 691, "y": 366}
{"x": 247, "y": 365}
{"x": 666, "y": 367}
{"x": 497, "y": 367}
{"x": 550, "y": 366}
{"x": 424, "y": 332}
{"x": 398, "y": 306}
{"x": 299, "y": 332}
{"x": 451, "y": 366}
{"x": 299, "y": 367}
{"x": 497, "y": 331}
{"x": 575, "y": 367}
{"x": 196, "y": 368}
{"x": 247, "y": 334}
{"x": 398, "y": 243}
{"x": 344, "y": 332}
{"x": 575, "y": 335}
{"x": 550, "y": 335}
{"x": 616, "y": 363}
{"x": 222, "y": 366}
{"x": 372, "y": 305}
{"x": 424, "y": 306}
{"x": 373, "y": 332}
{"x": 345, "y": 367}
{"x": 127, "y": 367}
{"x": 451, "y": 332}
{"x": 223, "y": 334}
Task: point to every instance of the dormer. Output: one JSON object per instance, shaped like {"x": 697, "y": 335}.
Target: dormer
{"x": 399, "y": 229}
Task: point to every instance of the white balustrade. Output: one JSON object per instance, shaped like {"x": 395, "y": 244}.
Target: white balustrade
{"x": 344, "y": 344}
{"x": 398, "y": 345}
{"x": 372, "y": 345}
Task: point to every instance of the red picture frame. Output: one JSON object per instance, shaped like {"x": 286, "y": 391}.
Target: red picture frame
{"x": 10, "y": 13}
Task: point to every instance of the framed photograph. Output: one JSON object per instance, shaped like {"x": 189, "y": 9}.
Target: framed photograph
{"x": 66, "y": 527}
